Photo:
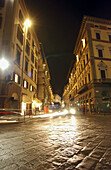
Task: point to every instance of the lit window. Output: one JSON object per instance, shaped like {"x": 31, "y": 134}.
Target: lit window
{"x": 83, "y": 41}
{"x": 30, "y": 87}
{"x": 16, "y": 78}
{"x": 25, "y": 84}
{"x": 77, "y": 57}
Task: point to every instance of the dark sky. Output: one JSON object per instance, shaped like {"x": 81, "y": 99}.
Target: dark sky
{"x": 57, "y": 23}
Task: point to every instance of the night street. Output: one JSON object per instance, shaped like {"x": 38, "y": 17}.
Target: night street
{"x": 64, "y": 142}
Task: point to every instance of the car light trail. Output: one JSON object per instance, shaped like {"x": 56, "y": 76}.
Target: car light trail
{"x": 50, "y": 115}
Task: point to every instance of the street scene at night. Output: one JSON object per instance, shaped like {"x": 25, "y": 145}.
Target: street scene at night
{"x": 55, "y": 85}
{"x": 62, "y": 142}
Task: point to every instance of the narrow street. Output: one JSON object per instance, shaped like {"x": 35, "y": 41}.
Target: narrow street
{"x": 65, "y": 142}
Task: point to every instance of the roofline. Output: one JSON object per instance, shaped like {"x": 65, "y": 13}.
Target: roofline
{"x": 92, "y": 19}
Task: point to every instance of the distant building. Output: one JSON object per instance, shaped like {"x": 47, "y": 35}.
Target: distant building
{"x": 19, "y": 45}
{"x": 89, "y": 82}
{"x": 57, "y": 98}
{"x": 45, "y": 93}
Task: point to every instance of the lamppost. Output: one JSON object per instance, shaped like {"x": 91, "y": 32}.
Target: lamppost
{"x": 4, "y": 64}
{"x": 27, "y": 24}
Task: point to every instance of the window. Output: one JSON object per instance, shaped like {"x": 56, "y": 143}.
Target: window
{"x": 100, "y": 53}
{"x": 109, "y": 37}
{"x": 89, "y": 77}
{"x": 2, "y": 3}
{"x": 27, "y": 48}
{"x": 103, "y": 76}
{"x": 32, "y": 73}
{"x": 20, "y": 34}
{"x": 18, "y": 57}
{"x": 87, "y": 57}
{"x": 33, "y": 43}
{"x": 31, "y": 88}
{"x": 0, "y": 21}
{"x": 28, "y": 35}
{"x": 85, "y": 80}
{"x": 25, "y": 84}
{"x": 77, "y": 58}
{"x": 84, "y": 62}
{"x": 32, "y": 57}
{"x": 16, "y": 78}
{"x": 98, "y": 36}
{"x": 35, "y": 76}
{"x": 36, "y": 64}
{"x": 26, "y": 65}
{"x": 21, "y": 16}
{"x": 110, "y": 51}
{"x": 96, "y": 26}
{"x": 83, "y": 43}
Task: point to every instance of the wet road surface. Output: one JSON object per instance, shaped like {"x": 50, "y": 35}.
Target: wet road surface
{"x": 63, "y": 143}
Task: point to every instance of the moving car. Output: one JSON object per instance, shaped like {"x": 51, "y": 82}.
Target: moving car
{"x": 10, "y": 116}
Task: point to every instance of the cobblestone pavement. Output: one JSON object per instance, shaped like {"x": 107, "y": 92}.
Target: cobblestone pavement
{"x": 61, "y": 143}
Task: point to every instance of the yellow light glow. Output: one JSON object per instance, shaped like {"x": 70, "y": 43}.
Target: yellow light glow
{"x": 72, "y": 111}
{"x": 50, "y": 115}
{"x": 27, "y": 23}
{"x": 4, "y": 64}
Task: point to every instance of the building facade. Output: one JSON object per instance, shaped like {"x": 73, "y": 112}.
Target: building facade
{"x": 45, "y": 93}
{"x": 19, "y": 45}
{"x": 89, "y": 83}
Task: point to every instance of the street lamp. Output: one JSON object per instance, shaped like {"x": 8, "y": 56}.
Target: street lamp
{"x": 4, "y": 64}
{"x": 27, "y": 24}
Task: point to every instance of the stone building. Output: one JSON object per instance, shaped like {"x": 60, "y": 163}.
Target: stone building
{"x": 19, "y": 45}
{"x": 89, "y": 82}
{"x": 45, "y": 93}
